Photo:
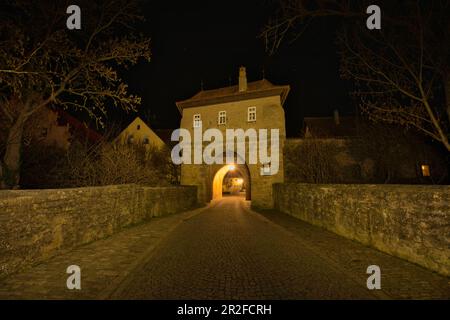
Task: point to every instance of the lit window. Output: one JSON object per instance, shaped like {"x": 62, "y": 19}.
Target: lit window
{"x": 197, "y": 121}
{"x": 222, "y": 117}
{"x": 130, "y": 139}
{"x": 425, "y": 170}
{"x": 44, "y": 133}
{"x": 251, "y": 114}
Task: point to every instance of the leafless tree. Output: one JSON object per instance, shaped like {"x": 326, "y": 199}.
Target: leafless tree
{"x": 312, "y": 160}
{"x": 400, "y": 71}
{"x": 44, "y": 64}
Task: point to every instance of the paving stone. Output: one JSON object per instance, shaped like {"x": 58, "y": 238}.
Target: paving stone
{"x": 225, "y": 251}
{"x": 231, "y": 252}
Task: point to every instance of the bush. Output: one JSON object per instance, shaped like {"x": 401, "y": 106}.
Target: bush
{"x": 97, "y": 165}
{"x": 311, "y": 161}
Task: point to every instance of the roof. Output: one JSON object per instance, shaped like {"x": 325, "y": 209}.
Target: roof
{"x": 255, "y": 89}
{"x": 77, "y": 127}
{"x": 325, "y": 127}
{"x": 165, "y": 135}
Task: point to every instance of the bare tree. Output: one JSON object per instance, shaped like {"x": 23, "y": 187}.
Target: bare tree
{"x": 43, "y": 64}
{"x": 312, "y": 160}
{"x": 400, "y": 71}
{"x": 106, "y": 163}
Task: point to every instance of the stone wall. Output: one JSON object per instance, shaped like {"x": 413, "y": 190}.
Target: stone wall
{"x": 36, "y": 224}
{"x": 408, "y": 221}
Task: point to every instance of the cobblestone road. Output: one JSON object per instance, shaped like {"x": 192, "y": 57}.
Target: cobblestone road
{"x": 225, "y": 251}
{"x": 231, "y": 252}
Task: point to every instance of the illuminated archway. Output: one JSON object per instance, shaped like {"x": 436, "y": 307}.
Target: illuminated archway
{"x": 217, "y": 182}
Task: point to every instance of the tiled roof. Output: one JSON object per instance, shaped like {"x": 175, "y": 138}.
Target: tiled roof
{"x": 325, "y": 127}
{"x": 78, "y": 128}
{"x": 255, "y": 89}
{"x": 165, "y": 135}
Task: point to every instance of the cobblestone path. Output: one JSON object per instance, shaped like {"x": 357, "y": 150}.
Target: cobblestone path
{"x": 231, "y": 252}
{"x": 225, "y": 251}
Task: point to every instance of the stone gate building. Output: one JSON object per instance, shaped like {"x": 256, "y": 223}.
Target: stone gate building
{"x": 257, "y": 105}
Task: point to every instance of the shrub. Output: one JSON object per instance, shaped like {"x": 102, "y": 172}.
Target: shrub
{"x": 97, "y": 165}
{"x": 311, "y": 161}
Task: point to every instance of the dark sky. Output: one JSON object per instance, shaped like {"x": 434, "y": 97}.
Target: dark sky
{"x": 208, "y": 41}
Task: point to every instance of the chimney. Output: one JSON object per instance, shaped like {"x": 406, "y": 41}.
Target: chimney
{"x": 242, "y": 79}
{"x": 336, "y": 117}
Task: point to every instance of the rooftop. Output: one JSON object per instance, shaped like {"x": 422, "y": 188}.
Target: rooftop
{"x": 326, "y": 127}
{"x": 255, "y": 89}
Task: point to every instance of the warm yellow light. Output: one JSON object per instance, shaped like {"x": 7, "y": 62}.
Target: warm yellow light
{"x": 425, "y": 170}
{"x": 240, "y": 181}
{"x": 231, "y": 167}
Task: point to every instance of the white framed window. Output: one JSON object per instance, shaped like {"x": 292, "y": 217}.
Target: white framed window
{"x": 251, "y": 114}
{"x": 222, "y": 119}
{"x": 197, "y": 121}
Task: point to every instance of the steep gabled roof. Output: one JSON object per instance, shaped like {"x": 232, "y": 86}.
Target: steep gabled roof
{"x": 326, "y": 127}
{"x": 78, "y": 128}
{"x": 165, "y": 135}
{"x": 255, "y": 89}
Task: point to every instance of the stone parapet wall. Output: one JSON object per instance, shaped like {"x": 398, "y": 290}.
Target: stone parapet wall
{"x": 36, "y": 224}
{"x": 408, "y": 221}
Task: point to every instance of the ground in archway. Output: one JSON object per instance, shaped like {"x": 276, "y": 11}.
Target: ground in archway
{"x": 230, "y": 252}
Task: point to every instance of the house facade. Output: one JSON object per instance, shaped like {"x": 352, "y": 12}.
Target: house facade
{"x": 253, "y": 105}
{"x": 138, "y": 132}
{"x": 45, "y": 129}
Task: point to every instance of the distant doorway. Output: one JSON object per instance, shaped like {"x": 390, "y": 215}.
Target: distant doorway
{"x": 233, "y": 184}
{"x": 232, "y": 180}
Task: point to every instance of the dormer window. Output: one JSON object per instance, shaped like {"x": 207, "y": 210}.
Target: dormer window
{"x": 251, "y": 114}
{"x": 139, "y": 127}
{"x": 222, "y": 117}
{"x": 197, "y": 121}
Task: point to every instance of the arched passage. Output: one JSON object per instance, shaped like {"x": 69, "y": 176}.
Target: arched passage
{"x": 217, "y": 182}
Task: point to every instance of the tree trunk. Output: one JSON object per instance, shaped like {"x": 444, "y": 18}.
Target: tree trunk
{"x": 447, "y": 94}
{"x": 10, "y": 169}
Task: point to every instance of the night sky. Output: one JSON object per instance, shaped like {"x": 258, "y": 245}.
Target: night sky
{"x": 208, "y": 41}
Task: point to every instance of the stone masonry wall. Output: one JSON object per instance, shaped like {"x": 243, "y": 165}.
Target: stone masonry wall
{"x": 408, "y": 221}
{"x": 36, "y": 224}
{"x": 269, "y": 115}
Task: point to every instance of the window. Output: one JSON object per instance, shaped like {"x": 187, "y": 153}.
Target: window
{"x": 222, "y": 117}
{"x": 197, "y": 121}
{"x": 425, "y": 170}
{"x": 130, "y": 139}
{"x": 44, "y": 133}
{"x": 139, "y": 127}
{"x": 146, "y": 140}
{"x": 265, "y": 170}
{"x": 251, "y": 114}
